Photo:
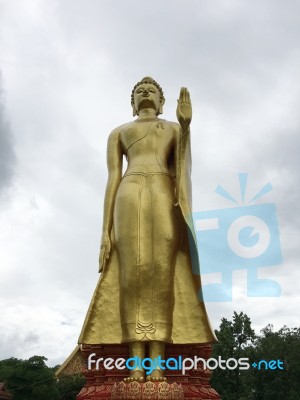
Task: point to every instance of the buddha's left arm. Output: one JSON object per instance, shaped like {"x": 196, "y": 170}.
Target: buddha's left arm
{"x": 184, "y": 116}
{"x": 114, "y": 166}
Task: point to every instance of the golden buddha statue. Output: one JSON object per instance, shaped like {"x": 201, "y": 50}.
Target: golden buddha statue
{"x": 148, "y": 292}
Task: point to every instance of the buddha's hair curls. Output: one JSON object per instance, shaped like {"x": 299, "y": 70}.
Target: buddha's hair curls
{"x": 150, "y": 80}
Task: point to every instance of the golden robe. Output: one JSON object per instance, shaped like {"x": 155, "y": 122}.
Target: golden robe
{"x": 171, "y": 312}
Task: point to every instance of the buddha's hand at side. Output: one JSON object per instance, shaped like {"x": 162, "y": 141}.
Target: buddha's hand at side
{"x": 184, "y": 109}
{"x": 105, "y": 249}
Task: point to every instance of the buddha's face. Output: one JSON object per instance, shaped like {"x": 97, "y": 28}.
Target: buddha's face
{"x": 146, "y": 95}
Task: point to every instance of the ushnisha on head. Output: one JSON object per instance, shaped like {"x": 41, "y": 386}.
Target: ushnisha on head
{"x": 147, "y": 93}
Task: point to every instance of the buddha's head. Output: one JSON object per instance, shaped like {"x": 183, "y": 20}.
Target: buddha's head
{"x": 147, "y": 93}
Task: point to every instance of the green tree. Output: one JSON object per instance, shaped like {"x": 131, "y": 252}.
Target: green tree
{"x": 33, "y": 380}
{"x": 29, "y": 379}
{"x": 283, "y": 345}
{"x": 70, "y": 386}
{"x": 235, "y": 338}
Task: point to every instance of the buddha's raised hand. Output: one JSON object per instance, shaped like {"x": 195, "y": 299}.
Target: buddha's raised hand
{"x": 184, "y": 109}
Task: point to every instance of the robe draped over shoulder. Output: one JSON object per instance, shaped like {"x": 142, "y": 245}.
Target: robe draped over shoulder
{"x": 102, "y": 323}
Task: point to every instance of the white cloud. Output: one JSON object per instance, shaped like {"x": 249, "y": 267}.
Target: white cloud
{"x": 67, "y": 72}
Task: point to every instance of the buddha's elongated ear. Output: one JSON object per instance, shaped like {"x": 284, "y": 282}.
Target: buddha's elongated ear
{"x": 134, "y": 111}
{"x": 160, "y": 108}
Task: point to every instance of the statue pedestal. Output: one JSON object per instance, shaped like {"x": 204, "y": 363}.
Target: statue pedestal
{"x": 147, "y": 390}
{"x": 104, "y": 384}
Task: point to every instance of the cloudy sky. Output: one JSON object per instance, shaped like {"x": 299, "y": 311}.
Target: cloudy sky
{"x": 67, "y": 70}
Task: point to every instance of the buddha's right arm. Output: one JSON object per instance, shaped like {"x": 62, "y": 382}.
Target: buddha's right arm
{"x": 114, "y": 166}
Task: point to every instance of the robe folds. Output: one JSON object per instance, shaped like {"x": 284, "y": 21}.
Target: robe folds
{"x": 189, "y": 320}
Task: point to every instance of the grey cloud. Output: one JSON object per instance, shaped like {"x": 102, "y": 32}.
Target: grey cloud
{"x": 74, "y": 67}
{"x": 7, "y": 153}
{"x": 14, "y": 342}
{"x": 227, "y": 52}
{"x": 277, "y": 157}
{"x": 31, "y": 338}
{"x": 285, "y": 159}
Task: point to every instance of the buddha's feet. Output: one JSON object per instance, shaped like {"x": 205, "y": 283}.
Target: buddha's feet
{"x": 156, "y": 375}
{"x": 136, "y": 375}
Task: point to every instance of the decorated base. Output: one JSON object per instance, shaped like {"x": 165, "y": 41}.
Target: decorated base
{"x": 108, "y": 384}
{"x": 148, "y": 390}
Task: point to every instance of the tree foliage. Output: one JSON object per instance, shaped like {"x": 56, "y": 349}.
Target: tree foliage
{"x": 33, "y": 380}
{"x": 235, "y": 337}
{"x": 282, "y": 345}
{"x": 70, "y": 386}
{"x": 238, "y": 340}
{"x": 29, "y": 379}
